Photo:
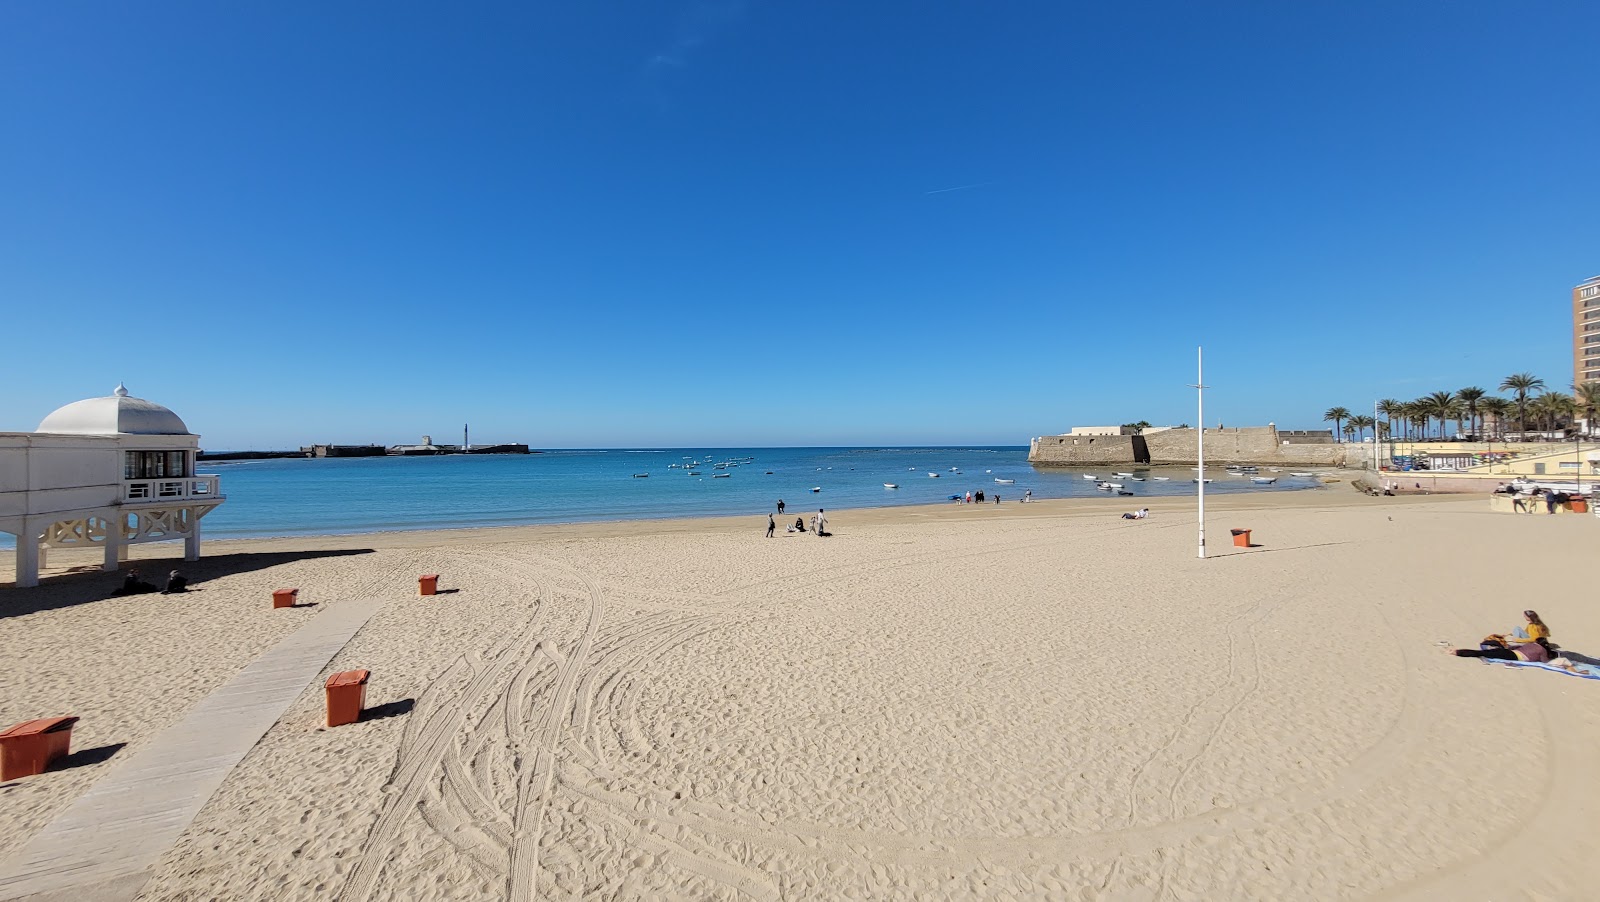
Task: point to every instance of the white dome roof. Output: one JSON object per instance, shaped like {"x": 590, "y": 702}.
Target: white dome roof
{"x": 114, "y": 414}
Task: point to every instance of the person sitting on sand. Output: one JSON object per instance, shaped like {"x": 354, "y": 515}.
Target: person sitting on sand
{"x": 799, "y": 524}
{"x": 1537, "y": 651}
{"x": 1140, "y": 514}
{"x": 133, "y": 585}
{"x": 176, "y": 582}
{"x": 1534, "y": 630}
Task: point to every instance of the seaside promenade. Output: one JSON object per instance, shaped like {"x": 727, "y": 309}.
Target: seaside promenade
{"x": 1015, "y": 701}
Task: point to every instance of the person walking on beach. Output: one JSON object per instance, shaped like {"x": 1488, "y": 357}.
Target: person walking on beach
{"x": 772, "y": 526}
{"x": 780, "y": 507}
{"x": 822, "y": 523}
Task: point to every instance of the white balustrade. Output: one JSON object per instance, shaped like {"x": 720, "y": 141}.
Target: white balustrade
{"x": 183, "y": 488}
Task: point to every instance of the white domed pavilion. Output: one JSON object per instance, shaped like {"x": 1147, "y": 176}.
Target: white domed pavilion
{"x": 102, "y": 472}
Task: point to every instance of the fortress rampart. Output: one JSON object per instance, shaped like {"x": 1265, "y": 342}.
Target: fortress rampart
{"x": 1244, "y": 445}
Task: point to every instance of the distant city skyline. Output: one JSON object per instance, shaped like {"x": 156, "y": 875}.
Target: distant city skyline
{"x": 719, "y": 223}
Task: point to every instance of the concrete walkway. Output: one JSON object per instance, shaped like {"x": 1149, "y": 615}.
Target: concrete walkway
{"x": 105, "y": 844}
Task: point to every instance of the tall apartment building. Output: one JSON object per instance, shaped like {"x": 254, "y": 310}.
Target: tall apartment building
{"x": 1586, "y": 332}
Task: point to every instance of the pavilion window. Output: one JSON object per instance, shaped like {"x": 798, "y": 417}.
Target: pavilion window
{"x": 154, "y": 464}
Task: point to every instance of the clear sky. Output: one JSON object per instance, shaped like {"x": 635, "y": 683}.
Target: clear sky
{"x": 745, "y": 223}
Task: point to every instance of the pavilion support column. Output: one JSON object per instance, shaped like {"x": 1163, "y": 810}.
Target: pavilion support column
{"x": 27, "y": 557}
{"x": 191, "y": 543}
{"x": 114, "y": 551}
{"x": 44, "y": 556}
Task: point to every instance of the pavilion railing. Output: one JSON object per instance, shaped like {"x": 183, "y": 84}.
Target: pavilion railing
{"x": 180, "y": 488}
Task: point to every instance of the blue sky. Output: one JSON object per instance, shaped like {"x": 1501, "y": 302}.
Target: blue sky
{"x": 726, "y": 223}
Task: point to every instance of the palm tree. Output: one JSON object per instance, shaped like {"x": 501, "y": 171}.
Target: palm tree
{"x": 1390, "y": 408}
{"x": 1338, "y": 415}
{"x": 1361, "y": 422}
{"x": 1441, "y": 404}
{"x": 1553, "y": 407}
{"x": 1522, "y": 384}
{"x": 1500, "y": 409}
{"x": 1469, "y": 398}
{"x": 1588, "y": 397}
{"x": 1416, "y": 416}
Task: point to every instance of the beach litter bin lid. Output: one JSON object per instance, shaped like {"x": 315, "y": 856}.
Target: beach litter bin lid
{"x": 348, "y": 678}
{"x": 35, "y": 727}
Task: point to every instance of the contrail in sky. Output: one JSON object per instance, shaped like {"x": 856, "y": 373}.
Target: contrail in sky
{"x": 956, "y": 188}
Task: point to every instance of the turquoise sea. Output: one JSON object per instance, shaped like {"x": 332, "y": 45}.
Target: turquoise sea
{"x": 322, "y": 497}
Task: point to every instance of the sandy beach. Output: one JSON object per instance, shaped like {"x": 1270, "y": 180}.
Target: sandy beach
{"x": 957, "y": 702}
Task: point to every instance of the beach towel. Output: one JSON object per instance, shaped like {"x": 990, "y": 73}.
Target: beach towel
{"x": 1582, "y": 671}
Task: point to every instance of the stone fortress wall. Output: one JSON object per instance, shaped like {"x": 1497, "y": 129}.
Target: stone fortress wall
{"x": 1244, "y": 445}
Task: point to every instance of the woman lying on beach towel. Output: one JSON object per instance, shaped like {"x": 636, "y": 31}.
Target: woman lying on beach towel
{"x": 1537, "y": 651}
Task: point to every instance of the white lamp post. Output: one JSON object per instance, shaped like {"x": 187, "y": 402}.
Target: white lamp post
{"x": 1200, "y": 456}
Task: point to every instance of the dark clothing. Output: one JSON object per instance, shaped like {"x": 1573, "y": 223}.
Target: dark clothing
{"x": 178, "y": 583}
{"x": 771, "y": 525}
{"x": 780, "y": 505}
{"x": 133, "y": 585}
{"x": 1499, "y": 654}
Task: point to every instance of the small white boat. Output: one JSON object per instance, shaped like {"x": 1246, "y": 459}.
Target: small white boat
{"x": 816, "y": 488}
{"x": 1303, "y": 475}
{"x": 933, "y": 475}
{"x": 999, "y": 481}
{"x": 955, "y": 469}
{"x": 1090, "y": 476}
{"x": 641, "y": 476}
{"x": 721, "y": 475}
{"x": 1123, "y": 475}
{"x": 1161, "y": 479}
{"x": 1137, "y": 478}
{"x": 890, "y": 485}
{"x": 1113, "y": 485}
{"x": 1263, "y": 480}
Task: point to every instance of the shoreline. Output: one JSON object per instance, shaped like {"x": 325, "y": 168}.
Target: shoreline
{"x": 68, "y": 560}
{"x": 84, "y": 562}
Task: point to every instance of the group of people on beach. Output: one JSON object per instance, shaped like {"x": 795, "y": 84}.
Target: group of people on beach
{"x": 974, "y": 498}
{"x": 819, "y": 523}
{"x": 1529, "y": 642}
{"x": 133, "y": 585}
{"x": 1522, "y": 495}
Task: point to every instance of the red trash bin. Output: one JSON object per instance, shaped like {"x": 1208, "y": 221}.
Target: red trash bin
{"x": 285, "y": 598}
{"x": 428, "y": 584}
{"x": 347, "y": 694}
{"x": 1241, "y": 538}
{"x": 30, "y": 747}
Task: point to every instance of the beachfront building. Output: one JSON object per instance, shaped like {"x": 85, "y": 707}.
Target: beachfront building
{"x": 102, "y": 473}
{"x": 1586, "y": 332}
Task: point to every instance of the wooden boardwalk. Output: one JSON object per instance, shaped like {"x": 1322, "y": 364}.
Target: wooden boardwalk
{"x": 104, "y": 845}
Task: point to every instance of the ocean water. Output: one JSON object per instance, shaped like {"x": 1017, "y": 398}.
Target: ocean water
{"x": 323, "y": 497}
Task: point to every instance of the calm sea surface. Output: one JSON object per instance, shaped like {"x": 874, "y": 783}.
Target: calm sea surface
{"x": 322, "y": 497}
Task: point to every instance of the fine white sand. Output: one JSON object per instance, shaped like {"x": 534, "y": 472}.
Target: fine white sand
{"x": 1038, "y": 701}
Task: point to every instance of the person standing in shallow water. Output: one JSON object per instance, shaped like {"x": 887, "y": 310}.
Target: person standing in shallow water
{"x": 772, "y": 525}
{"x": 780, "y": 506}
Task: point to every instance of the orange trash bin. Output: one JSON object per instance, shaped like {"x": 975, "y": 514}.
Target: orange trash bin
{"x": 428, "y": 584}
{"x": 285, "y": 598}
{"x": 30, "y": 747}
{"x": 1241, "y": 538}
{"x": 347, "y": 694}
{"x": 1578, "y": 506}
